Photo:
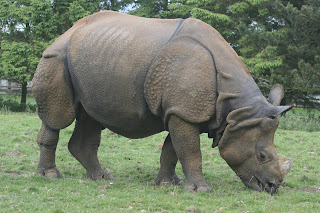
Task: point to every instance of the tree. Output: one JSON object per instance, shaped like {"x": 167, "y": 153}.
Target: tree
{"x": 81, "y": 8}
{"x": 200, "y": 9}
{"x": 283, "y": 47}
{"x": 277, "y": 40}
{"x": 26, "y": 29}
{"x": 150, "y": 8}
{"x": 302, "y": 52}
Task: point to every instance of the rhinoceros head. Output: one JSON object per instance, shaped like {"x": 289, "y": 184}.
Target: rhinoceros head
{"x": 248, "y": 148}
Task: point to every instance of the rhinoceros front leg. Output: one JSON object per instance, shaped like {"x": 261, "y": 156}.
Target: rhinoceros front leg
{"x": 47, "y": 140}
{"x": 168, "y": 162}
{"x": 84, "y": 145}
{"x": 186, "y": 142}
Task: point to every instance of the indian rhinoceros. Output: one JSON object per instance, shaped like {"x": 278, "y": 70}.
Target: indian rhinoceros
{"x": 137, "y": 77}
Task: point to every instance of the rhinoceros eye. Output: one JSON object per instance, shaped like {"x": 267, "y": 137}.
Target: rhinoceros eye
{"x": 272, "y": 117}
{"x": 263, "y": 155}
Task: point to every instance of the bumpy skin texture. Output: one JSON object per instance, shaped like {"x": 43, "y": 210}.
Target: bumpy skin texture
{"x": 138, "y": 77}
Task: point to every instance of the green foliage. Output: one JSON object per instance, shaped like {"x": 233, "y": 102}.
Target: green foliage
{"x": 151, "y": 9}
{"x": 134, "y": 163}
{"x": 239, "y": 7}
{"x": 208, "y": 16}
{"x": 211, "y": 12}
{"x": 77, "y": 10}
{"x": 20, "y": 59}
{"x": 303, "y": 52}
{"x": 80, "y": 8}
{"x": 282, "y": 48}
{"x": 10, "y": 104}
{"x": 26, "y": 30}
{"x": 278, "y": 40}
{"x": 67, "y": 12}
{"x": 28, "y": 27}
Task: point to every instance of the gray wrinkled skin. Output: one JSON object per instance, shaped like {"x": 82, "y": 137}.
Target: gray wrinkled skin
{"x": 139, "y": 76}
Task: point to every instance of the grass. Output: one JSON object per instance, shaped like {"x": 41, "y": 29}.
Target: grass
{"x": 301, "y": 119}
{"x": 134, "y": 164}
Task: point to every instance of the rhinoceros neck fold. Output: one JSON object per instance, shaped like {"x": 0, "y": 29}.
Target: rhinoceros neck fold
{"x": 233, "y": 92}
{"x": 229, "y": 101}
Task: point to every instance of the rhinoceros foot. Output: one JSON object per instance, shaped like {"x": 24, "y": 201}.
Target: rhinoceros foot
{"x": 197, "y": 188}
{"x": 49, "y": 173}
{"x": 168, "y": 180}
{"x": 98, "y": 175}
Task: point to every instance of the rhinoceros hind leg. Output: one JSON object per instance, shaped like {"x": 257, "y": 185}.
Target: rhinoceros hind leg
{"x": 52, "y": 90}
{"x": 186, "y": 143}
{"x": 168, "y": 162}
{"x": 47, "y": 140}
{"x": 84, "y": 145}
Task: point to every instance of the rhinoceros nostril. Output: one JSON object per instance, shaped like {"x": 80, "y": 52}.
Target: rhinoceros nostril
{"x": 271, "y": 187}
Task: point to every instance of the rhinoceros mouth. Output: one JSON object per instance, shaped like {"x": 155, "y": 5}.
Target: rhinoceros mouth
{"x": 266, "y": 185}
{"x": 257, "y": 183}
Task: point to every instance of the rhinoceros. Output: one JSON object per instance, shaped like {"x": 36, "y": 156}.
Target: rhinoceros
{"x": 139, "y": 76}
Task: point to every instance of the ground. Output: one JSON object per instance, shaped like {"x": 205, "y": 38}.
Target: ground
{"x": 134, "y": 164}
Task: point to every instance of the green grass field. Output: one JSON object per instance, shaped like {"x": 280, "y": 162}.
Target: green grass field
{"x": 134, "y": 163}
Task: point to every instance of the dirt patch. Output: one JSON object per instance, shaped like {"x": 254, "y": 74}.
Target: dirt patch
{"x": 15, "y": 174}
{"x": 311, "y": 189}
{"x": 191, "y": 209}
{"x": 14, "y": 153}
{"x": 160, "y": 145}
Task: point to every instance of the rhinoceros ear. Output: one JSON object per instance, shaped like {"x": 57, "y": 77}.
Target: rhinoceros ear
{"x": 277, "y": 110}
{"x": 243, "y": 117}
{"x": 239, "y": 115}
{"x": 276, "y": 94}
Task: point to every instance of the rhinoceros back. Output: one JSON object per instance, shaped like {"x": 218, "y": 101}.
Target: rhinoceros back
{"x": 108, "y": 59}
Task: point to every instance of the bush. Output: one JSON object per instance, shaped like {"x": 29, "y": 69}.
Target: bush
{"x": 15, "y": 106}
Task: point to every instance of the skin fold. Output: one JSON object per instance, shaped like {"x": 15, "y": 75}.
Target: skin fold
{"x": 139, "y": 76}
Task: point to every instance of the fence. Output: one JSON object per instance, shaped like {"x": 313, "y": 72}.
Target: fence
{"x": 12, "y": 87}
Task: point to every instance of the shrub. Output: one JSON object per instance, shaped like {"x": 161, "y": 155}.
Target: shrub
{"x": 15, "y": 106}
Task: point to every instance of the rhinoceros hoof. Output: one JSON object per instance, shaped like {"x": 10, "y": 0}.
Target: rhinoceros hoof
{"x": 175, "y": 180}
{"x": 99, "y": 175}
{"x": 49, "y": 173}
{"x": 193, "y": 188}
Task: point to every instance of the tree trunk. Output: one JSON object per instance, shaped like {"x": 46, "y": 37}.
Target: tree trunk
{"x": 165, "y": 5}
{"x": 9, "y": 88}
{"x": 23, "y": 101}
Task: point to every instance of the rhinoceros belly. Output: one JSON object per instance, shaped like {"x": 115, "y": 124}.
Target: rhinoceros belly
{"x": 108, "y": 61}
